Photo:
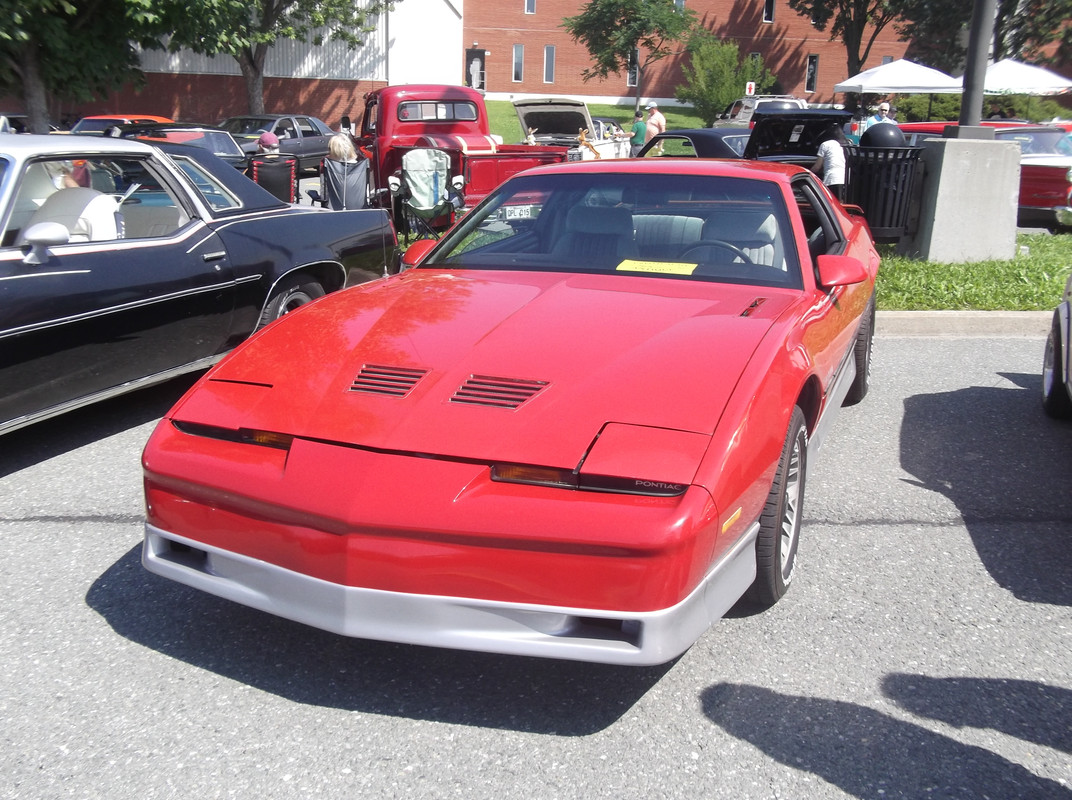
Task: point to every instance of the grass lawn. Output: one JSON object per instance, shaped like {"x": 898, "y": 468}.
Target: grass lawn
{"x": 1031, "y": 282}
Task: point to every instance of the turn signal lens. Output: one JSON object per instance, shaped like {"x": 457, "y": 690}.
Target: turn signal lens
{"x": 537, "y": 476}
{"x": 281, "y": 441}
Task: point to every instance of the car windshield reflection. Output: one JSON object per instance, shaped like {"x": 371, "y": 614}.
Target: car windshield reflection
{"x": 679, "y": 227}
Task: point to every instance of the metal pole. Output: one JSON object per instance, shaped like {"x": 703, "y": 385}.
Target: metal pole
{"x": 979, "y": 35}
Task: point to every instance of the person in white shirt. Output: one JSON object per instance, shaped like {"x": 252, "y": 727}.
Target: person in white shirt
{"x": 830, "y": 162}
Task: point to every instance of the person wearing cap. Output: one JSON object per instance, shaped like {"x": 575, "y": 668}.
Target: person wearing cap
{"x": 656, "y": 121}
{"x": 277, "y": 172}
{"x": 639, "y": 134}
{"x": 882, "y": 115}
{"x": 268, "y": 143}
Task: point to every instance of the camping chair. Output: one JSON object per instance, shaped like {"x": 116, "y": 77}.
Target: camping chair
{"x": 425, "y": 190}
{"x": 343, "y": 184}
{"x": 277, "y": 173}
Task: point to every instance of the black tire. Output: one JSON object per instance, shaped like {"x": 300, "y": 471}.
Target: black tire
{"x": 779, "y": 525}
{"x": 1055, "y": 399}
{"x": 291, "y": 293}
{"x": 865, "y": 340}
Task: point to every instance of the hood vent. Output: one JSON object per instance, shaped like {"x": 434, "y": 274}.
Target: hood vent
{"x": 390, "y": 381}
{"x": 509, "y": 393}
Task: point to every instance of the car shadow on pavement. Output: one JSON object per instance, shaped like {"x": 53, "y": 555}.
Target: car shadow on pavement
{"x": 50, "y": 438}
{"x": 865, "y": 752}
{"x": 1030, "y": 711}
{"x": 1007, "y": 467}
{"x": 314, "y": 667}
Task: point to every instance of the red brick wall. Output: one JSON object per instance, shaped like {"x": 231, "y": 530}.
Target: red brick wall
{"x": 496, "y": 25}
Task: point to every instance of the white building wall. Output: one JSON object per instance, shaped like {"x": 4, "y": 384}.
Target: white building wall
{"x": 419, "y": 42}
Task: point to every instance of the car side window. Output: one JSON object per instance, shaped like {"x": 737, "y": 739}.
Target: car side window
{"x": 96, "y": 198}
{"x": 306, "y": 127}
{"x": 284, "y": 129}
{"x": 214, "y": 193}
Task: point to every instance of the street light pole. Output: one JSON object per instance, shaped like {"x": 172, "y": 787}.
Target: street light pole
{"x": 979, "y": 35}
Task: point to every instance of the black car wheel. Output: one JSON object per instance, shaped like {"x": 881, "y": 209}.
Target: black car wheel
{"x": 291, "y": 293}
{"x": 865, "y": 339}
{"x": 779, "y": 531}
{"x": 1055, "y": 399}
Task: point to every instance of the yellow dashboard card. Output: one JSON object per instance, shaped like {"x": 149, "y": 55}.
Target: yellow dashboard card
{"x": 664, "y": 267}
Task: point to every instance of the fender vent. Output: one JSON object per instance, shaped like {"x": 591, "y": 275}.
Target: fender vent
{"x": 390, "y": 381}
{"x": 484, "y": 390}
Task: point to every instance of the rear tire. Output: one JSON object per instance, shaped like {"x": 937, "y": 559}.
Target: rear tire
{"x": 779, "y": 525}
{"x": 1055, "y": 399}
{"x": 290, "y": 294}
{"x": 865, "y": 338}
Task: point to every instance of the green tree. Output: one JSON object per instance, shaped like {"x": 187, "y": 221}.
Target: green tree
{"x": 857, "y": 23}
{"x": 622, "y": 35}
{"x": 715, "y": 76}
{"x": 74, "y": 49}
{"x": 246, "y": 29}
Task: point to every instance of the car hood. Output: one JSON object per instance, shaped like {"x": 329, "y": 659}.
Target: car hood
{"x": 493, "y": 366}
{"x": 791, "y": 133}
{"x": 554, "y": 119}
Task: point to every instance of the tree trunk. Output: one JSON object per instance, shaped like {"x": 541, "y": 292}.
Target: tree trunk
{"x": 33, "y": 90}
{"x": 252, "y": 65}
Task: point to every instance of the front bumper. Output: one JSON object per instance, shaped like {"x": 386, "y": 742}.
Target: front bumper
{"x": 629, "y": 637}
{"x": 1064, "y": 216}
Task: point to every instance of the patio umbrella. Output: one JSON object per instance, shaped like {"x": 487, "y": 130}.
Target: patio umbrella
{"x": 1015, "y": 77}
{"x": 900, "y": 77}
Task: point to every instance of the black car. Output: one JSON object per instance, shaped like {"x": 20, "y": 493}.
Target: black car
{"x": 124, "y": 264}
{"x": 216, "y": 140}
{"x": 301, "y": 136}
{"x": 783, "y": 136}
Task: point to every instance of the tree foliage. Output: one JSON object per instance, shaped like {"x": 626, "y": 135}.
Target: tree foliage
{"x": 74, "y": 49}
{"x": 246, "y": 29}
{"x": 857, "y": 23}
{"x": 628, "y": 34}
{"x": 715, "y": 76}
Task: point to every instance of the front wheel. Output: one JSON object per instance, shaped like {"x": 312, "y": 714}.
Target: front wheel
{"x": 779, "y": 525}
{"x": 291, "y": 293}
{"x": 1055, "y": 399}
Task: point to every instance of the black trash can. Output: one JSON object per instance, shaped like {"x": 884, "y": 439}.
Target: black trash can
{"x": 879, "y": 179}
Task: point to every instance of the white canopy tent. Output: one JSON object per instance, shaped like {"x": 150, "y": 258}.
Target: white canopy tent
{"x": 1015, "y": 77}
{"x": 900, "y": 77}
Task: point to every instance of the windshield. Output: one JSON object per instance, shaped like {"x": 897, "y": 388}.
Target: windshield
{"x": 687, "y": 227}
{"x": 247, "y": 126}
{"x": 1036, "y": 143}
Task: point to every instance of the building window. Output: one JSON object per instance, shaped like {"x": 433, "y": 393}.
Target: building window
{"x": 679, "y": 5}
{"x": 633, "y": 72}
{"x": 519, "y": 63}
{"x": 813, "y": 71}
{"x": 887, "y": 59}
{"x": 530, "y": 6}
{"x": 549, "y": 63}
{"x": 768, "y": 10}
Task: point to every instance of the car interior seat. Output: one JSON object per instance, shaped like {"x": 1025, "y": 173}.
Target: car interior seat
{"x": 597, "y": 235}
{"x": 753, "y": 232}
{"x": 89, "y": 215}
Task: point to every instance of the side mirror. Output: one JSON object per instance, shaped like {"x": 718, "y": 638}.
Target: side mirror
{"x": 458, "y": 183}
{"x": 416, "y": 252}
{"x": 841, "y": 271}
{"x": 42, "y": 236}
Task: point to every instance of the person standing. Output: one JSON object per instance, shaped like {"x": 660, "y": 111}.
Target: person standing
{"x": 656, "y": 121}
{"x": 882, "y": 115}
{"x": 640, "y": 134}
{"x": 830, "y": 162}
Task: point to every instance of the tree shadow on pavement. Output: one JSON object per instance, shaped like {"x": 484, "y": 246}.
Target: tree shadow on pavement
{"x": 866, "y": 753}
{"x": 315, "y": 667}
{"x": 1007, "y": 468}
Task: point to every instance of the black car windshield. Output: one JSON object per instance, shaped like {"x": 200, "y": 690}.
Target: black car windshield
{"x": 682, "y": 227}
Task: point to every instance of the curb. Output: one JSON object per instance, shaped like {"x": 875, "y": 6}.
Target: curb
{"x": 993, "y": 324}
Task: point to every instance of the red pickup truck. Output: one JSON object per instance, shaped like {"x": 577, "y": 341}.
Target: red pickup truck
{"x": 451, "y": 119}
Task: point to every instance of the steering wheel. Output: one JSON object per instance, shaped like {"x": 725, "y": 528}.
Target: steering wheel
{"x": 719, "y": 243}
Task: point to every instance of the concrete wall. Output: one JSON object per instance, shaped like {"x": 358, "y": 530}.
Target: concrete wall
{"x": 968, "y": 201}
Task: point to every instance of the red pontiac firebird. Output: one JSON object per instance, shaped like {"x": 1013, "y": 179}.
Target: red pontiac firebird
{"x": 580, "y": 427}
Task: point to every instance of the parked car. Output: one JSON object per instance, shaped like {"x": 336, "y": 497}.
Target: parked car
{"x": 558, "y": 121}
{"x": 122, "y": 265}
{"x": 789, "y": 137}
{"x": 743, "y": 109}
{"x": 1057, "y": 362}
{"x": 18, "y": 122}
{"x": 301, "y": 136}
{"x": 581, "y": 427}
{"x": 1045, "y": 198}
{"x": 98, "y": 125}
{"x": 216, "y": 140}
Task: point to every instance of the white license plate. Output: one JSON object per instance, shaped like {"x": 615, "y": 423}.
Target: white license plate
{"x": 518, "y": 212}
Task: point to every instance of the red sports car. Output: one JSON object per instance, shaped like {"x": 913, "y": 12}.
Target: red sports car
{"x": 579, "y": 428}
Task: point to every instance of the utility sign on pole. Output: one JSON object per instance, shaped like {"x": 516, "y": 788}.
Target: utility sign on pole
{"x": 749, "y": 88}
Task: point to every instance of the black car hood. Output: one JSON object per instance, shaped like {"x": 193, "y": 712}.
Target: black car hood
{"x": 791, "y": 133}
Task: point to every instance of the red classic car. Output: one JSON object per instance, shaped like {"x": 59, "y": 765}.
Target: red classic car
{"x": 579, "y": 428}
{"x": 1045, "y": 167}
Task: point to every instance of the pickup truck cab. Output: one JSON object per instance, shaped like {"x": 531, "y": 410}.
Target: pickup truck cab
{"x": 452, "y": 119}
